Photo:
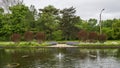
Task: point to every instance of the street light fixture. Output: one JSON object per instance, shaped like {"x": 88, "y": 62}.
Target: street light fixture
{"x": 101, "y": 21}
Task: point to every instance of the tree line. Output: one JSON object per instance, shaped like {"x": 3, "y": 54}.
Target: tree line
{"x": 57, "y": 24}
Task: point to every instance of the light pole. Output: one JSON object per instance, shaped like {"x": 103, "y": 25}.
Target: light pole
{"x": 101, "y": 21}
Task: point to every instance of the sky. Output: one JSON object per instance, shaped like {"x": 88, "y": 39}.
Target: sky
{"x": 86, "y": 9}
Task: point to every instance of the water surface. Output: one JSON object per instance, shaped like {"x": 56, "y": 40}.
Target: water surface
{"x": 60, "y": 58}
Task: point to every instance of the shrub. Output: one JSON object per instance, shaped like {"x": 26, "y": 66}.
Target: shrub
{"x": 102, "y": 38}
{"x": 15, "y": 37}
{"x": 57, "y": 35}
{"x": 93, "y": 37}
{"x": 82, "y": 35}
{"x": 52, "y": 43}
{"x": 40, "y": 37}
{"x": 28, "y": 36}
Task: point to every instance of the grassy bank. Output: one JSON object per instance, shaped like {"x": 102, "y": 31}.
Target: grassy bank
{"x": 22, "y": 44}
{"x": 47, "y": 43}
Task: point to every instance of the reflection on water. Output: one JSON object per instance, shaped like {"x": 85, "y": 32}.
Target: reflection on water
{"x": 60, "y": 58}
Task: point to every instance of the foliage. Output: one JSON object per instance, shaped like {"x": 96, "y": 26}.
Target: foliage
{"x": 92, "y": 37}
{"x": 107, "y": 23}
{"x": 19, "y": 13}
{"x": 48, "y": 21}
{"x": 91, "y": 25}
{"x": 57, "y": 24}
{"x": 57, "y": 35}
{"x": 15, "y": 37}
{"x": 102, "y": 38}
{"x": 40, "y": 37}
{"x": 116, "y": 29}
{"x": 28, "y": 36}
{"x": 88, "y": 25}
{"x": 67, "y": 23}
{"x": 83, "y": 35}
{"x": 30, "y": 18}
{"x": 108, "y": 31}
{"x": 1, "y": 10}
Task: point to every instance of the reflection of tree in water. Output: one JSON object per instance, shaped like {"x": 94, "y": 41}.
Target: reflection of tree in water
{"x": 35, "y": 57}
{"x": 108, "y": 52}
{"x": 118, "y": 54}
{"x": 103, "y": 53}
{"x": 4, "y": 57}
{"x": 74, "y": 53}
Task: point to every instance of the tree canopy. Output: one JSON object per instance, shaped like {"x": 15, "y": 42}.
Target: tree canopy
{"x": 57, "y": 24}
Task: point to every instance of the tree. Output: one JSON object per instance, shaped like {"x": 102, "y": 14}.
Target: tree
{"x": 67, "y": 23}
{"x": 107, "y": 28}
{"x": 116, "y": 29}
{"x": 1, "y": 17}
{"x": 108, "y": 31}
{"x": 107, "y": 23}
{"x": 30, "y": 19}
{"x": 1, "y": 22}
{"x": 18, "y": 18}
{"x": 5, "y": 28}
{"x": 90, "y": 25}
{"x": 48, "y": 21}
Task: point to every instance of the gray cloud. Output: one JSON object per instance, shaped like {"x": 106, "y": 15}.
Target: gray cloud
{"x": 85, "y": 8}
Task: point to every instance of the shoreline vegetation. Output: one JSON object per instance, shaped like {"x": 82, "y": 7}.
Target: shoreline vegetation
{"x": 107, "y": 44}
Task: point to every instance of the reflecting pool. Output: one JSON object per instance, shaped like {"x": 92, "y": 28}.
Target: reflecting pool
{"x": 59, "y": 58}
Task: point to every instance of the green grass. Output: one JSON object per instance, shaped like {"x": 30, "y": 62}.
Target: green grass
{"x": 34, "y": 43}
{"x": 22, "y": 44}
{"x": 111, "y": 41}
{"x": 107, "y": 43}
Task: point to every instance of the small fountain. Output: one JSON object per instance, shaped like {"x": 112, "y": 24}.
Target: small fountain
{"x": 60, "y": 56}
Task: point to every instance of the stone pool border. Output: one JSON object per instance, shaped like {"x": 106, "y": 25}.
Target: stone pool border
{"x": 69, "y": 46}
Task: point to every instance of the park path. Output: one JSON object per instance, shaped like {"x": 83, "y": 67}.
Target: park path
{"x": 62, "y": 45}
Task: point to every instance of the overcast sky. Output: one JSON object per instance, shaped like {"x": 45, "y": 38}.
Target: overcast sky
{"x": 86, "y": 9}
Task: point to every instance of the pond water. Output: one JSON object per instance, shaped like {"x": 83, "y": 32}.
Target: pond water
{"x": 60, "y": 58}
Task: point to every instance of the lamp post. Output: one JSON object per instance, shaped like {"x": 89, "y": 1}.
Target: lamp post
{"x": 101, "y": 21}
